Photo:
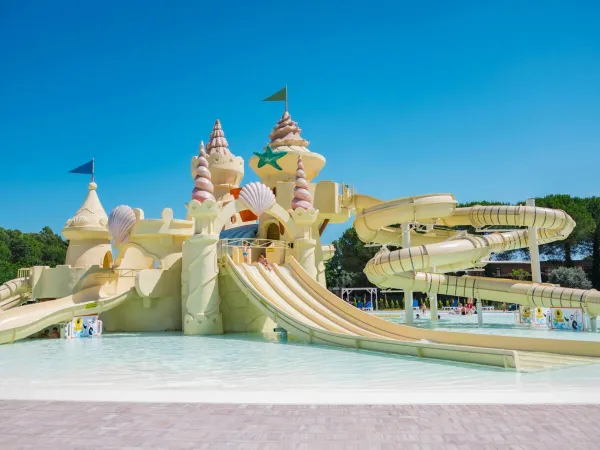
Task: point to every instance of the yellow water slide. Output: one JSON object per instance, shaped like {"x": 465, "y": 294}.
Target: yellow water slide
{"x": 19, "y": 323}
{"x": 290, "y": 297}
{"x": 412, "y": 268}
{"x": 11, "y": 292}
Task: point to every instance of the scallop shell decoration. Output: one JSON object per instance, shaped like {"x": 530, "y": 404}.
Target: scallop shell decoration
{"x": 120, "y": 223}
{"x": 257, "y": 197}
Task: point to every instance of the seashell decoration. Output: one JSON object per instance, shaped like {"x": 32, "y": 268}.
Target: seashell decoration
{"x": 78, "y": 221}
{"x": 302, "y": 197}
{"x": 287, "y": 133}
{"x": 217, "y": 142}
{"x": 257, "y": 197}
{"x": 204, "y": 188}
{"x": 120, "y": 222}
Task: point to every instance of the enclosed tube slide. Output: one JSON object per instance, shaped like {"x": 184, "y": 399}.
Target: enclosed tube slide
{"x": 10, "y": 292}
{"x": 411, "y": 268}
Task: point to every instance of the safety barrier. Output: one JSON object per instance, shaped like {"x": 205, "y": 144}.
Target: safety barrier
{"x": 242, "y": 250}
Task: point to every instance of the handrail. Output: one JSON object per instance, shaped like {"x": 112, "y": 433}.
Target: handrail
{"x": 253, "y": 243}
{"x": 227, "y": 246}
{"x": 24, "y": 272}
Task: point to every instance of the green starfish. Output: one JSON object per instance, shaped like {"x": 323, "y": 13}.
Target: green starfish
{"x": 268, "y": 157}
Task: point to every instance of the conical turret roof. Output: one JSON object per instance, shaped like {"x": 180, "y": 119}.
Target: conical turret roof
{"x": 217, "y": 142}
{"x": 90, "y": 216}
{"x": 279, "y": 161}
{"x": 302, "y": 197}
{"x": 204, "y": 188}
{"x": 287, "y": 133}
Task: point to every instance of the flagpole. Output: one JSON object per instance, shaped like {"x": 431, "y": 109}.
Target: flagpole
{"x": 92, "y": 170}
{"x": 286, "y": 98}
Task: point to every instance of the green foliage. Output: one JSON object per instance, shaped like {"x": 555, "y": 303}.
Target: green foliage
{"x": 345, "y": 268}
{"x": 520, "y": 274}
{"x": 577, "y": 208}
{"x": 570, "y": 277}
{"x": 18, "y": 250}
{"x": 440, "y": 306}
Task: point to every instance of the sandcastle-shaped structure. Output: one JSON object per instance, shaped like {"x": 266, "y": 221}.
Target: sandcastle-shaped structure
{"x": 249, "y": 258}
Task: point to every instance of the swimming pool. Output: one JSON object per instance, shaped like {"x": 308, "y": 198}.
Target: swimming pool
{"x": 497, "y": 323}
{"x": 250, "y": 368}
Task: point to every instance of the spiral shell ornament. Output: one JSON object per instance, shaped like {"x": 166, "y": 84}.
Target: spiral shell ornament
{"x": 302, "y": 197}
{"x": 204, "y": 188}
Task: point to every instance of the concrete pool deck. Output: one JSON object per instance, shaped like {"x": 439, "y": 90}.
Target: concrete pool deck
{"x": 112, "y": 425}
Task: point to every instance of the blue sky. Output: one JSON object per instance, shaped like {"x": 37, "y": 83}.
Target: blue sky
{"x": 487, "y": 100}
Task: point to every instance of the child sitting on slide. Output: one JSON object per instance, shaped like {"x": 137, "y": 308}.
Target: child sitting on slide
{"x": 263, "y": 260}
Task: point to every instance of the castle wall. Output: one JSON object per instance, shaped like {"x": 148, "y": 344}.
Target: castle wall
{"x": 239, "y": 314}
{"x": 160, "y": 311}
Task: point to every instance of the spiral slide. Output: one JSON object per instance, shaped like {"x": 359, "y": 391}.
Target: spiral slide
{"x": 19, "y": 323}
{"x": 308, "y": 311}
{"x": 10, "y": 293}
{"x": 448, "y": 251}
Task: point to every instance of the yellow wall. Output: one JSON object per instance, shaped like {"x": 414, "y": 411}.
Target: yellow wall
{"x": 57, "y": 282}
{"x": 159, "y": 311}
{"x": 239, "y": 314}
{"x": 86, "y": 252}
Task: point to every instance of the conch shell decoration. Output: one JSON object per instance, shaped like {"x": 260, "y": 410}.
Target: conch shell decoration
{"x": 204, "y": 188}
{"x": 302, "y": 197}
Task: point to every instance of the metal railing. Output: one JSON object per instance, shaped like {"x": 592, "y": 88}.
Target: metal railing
{"x": 249, "y": 250}
{"x": 24, "y": 273}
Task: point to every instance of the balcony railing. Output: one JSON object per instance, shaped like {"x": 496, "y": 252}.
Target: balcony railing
{"x": 249, "y": 250}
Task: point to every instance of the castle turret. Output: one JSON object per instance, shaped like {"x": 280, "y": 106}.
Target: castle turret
{"x": 302, "y": 197}
{"x": 278, "y": 162}
{"x": 227, "y": 169}
{"x": 203, "y": 186}
{"x": 87, "y": 232}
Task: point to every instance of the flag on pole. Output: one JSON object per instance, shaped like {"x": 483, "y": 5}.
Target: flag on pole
{"x": 279, "y": 96}
{"x": 87, "y": 169}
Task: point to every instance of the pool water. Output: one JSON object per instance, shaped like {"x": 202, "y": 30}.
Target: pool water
{"x": 252, "y": 368}
{"x": 498, "y": 323}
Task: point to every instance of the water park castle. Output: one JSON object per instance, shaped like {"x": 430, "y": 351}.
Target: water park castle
{"x": 199, "y": 274}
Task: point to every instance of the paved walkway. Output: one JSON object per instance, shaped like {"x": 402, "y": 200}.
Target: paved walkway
{"x": 66, "y": 425}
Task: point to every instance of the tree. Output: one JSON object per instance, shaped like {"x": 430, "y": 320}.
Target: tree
{"x": 346, "y": 266}
{"x": 577, "y": 208}
{"x": 19, "y": 250}
{"x": 570, "y": 277}
{"x": 593, "y": 244}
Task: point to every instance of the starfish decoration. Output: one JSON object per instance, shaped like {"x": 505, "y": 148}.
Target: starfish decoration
{"x": 268, "y": 157}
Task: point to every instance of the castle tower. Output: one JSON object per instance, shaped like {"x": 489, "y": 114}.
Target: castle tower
{"x": 227, "y": 169}
{"x": 203, "y": 186}
{"x": 200, "y": 300}
{"x": 304, "y": 216}
{"x": 278, "y": 162}
{"x": 87, "y": 232}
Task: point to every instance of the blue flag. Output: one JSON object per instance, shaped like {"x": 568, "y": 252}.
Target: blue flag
{"x": 87, "y": 168}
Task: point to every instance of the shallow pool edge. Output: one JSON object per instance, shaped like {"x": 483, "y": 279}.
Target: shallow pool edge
{"x": 305, "y": 398}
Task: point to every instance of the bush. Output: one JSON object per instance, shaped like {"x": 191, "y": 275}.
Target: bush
{"x": 520, "y": 274}
{"x": 570, "y": 277}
